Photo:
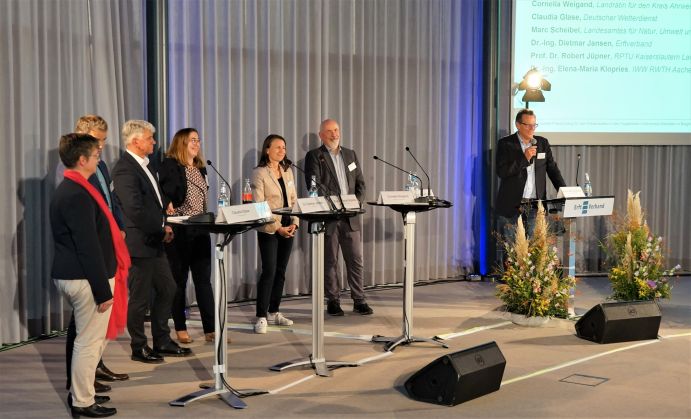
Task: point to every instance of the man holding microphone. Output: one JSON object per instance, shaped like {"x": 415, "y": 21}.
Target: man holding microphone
{"x": 524, "y": 161}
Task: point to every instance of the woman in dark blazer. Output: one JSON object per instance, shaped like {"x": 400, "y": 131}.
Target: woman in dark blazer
{"x": 182, "y": 177}
{"x": 273, "y": 182}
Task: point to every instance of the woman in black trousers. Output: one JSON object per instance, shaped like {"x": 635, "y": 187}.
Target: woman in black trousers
{"x": 273, "y": 182}
{"x": 182, "y": 177}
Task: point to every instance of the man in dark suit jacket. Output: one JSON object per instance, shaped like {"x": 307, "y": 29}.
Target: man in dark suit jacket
{"x": 143, "y": 206}
{"x": 83, "y": 268}
{"x": 338, "y": 169}
{"x": 97, "y": 127}
{"x": 524, "y": 161}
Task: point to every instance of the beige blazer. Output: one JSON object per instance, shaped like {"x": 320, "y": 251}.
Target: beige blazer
{"x": 265, "y": 187}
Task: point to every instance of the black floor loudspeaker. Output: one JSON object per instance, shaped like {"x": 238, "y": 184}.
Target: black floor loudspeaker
{"x": 620, "y": 322}
{"x": 458, "y": 377}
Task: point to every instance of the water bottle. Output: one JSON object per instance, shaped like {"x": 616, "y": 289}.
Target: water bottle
{"x": 313, "y": 192}
{"x": 409, "y": 184}
{"x": 587, "y": 186}
{"x": 247, "y": 192}
{"x": 414, "y": 183}
{"x": 223, "y": 197}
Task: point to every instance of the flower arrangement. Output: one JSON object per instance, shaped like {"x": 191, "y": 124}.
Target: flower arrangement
{"x": 638, "y": 272}
{"x": 533, "y": 283}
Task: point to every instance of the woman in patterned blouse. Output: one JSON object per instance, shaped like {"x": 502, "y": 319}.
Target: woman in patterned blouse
{"x": 183, "y": 180}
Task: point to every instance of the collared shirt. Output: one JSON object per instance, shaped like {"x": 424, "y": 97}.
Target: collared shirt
{"x": 529, "y": 189}
{"x": 339, "y": 164}
{"x": 144, "y": 163}
{"x": 104, "y": 187}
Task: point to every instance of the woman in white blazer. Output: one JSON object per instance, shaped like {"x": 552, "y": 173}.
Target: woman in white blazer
{"x": 273, "y": 182}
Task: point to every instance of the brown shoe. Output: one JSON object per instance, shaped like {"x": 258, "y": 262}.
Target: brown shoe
{"x": 183, "y": 336}
{"x": 210, "y": 337}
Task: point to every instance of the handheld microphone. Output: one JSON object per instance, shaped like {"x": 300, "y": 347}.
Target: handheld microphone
{"x": 429, "y": 187}
{"x": 321, "y": 187}
{"x": 398, "y": 168}
{"x": 230, "y": 191}
{"x": 578, "y": 166}
{"x": 533, "y": 143}
{"x": 323, "y": 163}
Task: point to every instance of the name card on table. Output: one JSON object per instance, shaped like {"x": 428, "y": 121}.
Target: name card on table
{"x": 570, "y": 192}
{"x": 309, "y": 205}
{"x": 243, "y": 213}
{"x": 349, "y": 201}
{"x": 395, "y": 197}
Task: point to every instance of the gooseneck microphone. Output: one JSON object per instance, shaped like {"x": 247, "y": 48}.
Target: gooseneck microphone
{"x": 230, "y": 191}
{"x": 322, "y": 162}
{"x": 398, "y": 168}
{"x": 578, "y": 166}
{"x": 429, "y": 198}
{"x": 321, "y": 187}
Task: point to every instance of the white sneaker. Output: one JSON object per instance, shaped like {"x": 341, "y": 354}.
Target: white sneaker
{"x": 260, "y": 325}
{"x": 278, "y": 319}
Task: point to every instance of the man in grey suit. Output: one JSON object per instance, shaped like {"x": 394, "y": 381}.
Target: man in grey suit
{"x": 338, "y": 170}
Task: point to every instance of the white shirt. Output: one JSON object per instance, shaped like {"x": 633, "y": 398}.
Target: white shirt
{"x": 144, "y": 162}
{"x": 529, "y": 189}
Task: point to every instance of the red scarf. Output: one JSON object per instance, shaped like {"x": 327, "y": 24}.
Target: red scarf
{"x": 118, "y": 316}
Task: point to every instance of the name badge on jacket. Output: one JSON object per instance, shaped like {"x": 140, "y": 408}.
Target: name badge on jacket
{"x": 540, "y": 156}
{"x": 352, "y": 166}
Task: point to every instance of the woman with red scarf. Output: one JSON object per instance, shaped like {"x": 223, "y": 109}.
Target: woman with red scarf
{"x": 90, "y": 267}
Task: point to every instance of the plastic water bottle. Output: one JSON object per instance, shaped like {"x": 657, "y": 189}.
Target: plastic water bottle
{"x": 414, "y": 183}
{"x": 313, "y": 192}
{"x": 409, "y": 185}
{"x": 587, "y": 186}
{"x": 247, "y": 192}
{"x": 223, "y": 197}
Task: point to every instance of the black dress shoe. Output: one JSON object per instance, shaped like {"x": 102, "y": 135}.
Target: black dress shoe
{"x": 93, "y": 411}
{"x": 101, "y": 388}
{"x": 173, "y": 349}
{"x": 146, "y": 355}
{"x": 362, "y": 308}
{"x": 98, "y": 399}
{"x": 103, "y": 373}
{"x": 334, "y": 308}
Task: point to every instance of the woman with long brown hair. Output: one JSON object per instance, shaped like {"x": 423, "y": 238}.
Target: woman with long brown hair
{"x": 183, "y": 180}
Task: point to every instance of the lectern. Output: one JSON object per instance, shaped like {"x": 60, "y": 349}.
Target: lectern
{"x": 317, "y": 359}
{"x": 409, "y": 212}
{"x": 572, "y": 209}
{"x": 225, "y": 233}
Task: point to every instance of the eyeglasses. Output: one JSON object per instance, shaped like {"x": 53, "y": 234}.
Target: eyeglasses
{"x": 533, "y": 126}
{"x": 195, "y": 140}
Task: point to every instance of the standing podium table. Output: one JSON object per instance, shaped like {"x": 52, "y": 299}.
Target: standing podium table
{"x": 221, "y": 388}
{"x": 408, "y": 212}
{"x": 317, "y": 359}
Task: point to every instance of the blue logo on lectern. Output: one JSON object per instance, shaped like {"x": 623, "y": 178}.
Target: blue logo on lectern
{"x": 584, "y": 208}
